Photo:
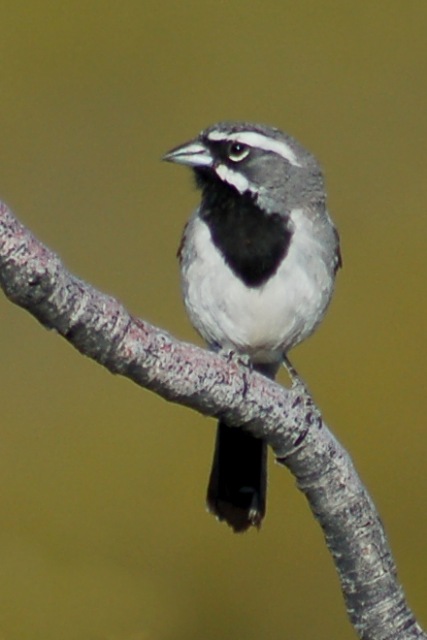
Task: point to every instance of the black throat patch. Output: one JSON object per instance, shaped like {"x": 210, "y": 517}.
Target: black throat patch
{"x": 252, "y": 242}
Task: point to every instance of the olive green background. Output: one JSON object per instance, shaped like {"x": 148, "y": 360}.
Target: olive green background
{"x": 103, "y": 530}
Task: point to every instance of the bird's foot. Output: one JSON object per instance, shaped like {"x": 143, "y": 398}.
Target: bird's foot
{"x": 297, "y": 382}
{"x": 302, "y": 394}
{"x": 241, "y": 359}
{"x": 303, "y": 403}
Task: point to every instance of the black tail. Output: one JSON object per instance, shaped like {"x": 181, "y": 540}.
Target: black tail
{"x": 238, "y": 481}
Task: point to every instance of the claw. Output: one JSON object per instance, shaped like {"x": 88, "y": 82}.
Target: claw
{"x": 296, "y": 381}
{"x": 234, "y": 356}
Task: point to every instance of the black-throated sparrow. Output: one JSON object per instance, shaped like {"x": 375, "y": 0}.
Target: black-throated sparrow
{"x": 258, "y": 263}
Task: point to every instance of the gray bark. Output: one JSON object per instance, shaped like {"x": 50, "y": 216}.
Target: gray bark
{"x": 98, "y": 326}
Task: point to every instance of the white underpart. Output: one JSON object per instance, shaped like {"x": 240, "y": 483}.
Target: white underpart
{"x": 266, "y": 321}
{"x": 258, "y": 141}
{"x": 234, "y": 178}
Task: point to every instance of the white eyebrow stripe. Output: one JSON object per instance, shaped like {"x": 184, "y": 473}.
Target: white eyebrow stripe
{"x": 260, "y": 141}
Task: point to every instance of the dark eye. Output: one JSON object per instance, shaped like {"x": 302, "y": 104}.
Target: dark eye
{"x": 237, "y": 151}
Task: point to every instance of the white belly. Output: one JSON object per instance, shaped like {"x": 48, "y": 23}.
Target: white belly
{"x": 265, "y": 321}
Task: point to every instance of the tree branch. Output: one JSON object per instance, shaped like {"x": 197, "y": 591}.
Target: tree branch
{"x": 98, "y": 326}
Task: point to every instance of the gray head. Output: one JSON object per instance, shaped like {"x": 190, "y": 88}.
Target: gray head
{"x": 271, "y": 166}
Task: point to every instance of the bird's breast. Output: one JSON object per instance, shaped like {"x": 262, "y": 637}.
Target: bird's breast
{"x": 263, "y": 321}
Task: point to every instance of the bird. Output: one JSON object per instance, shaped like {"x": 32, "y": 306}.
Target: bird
{"x": 258, "y": 261}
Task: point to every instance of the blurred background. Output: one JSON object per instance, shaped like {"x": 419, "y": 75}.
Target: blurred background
{"x": 103, "y": 529}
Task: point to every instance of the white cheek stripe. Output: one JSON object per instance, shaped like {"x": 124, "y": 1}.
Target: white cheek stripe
{"x": 260, "y": 141}
{"x": 233, "y": 178}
